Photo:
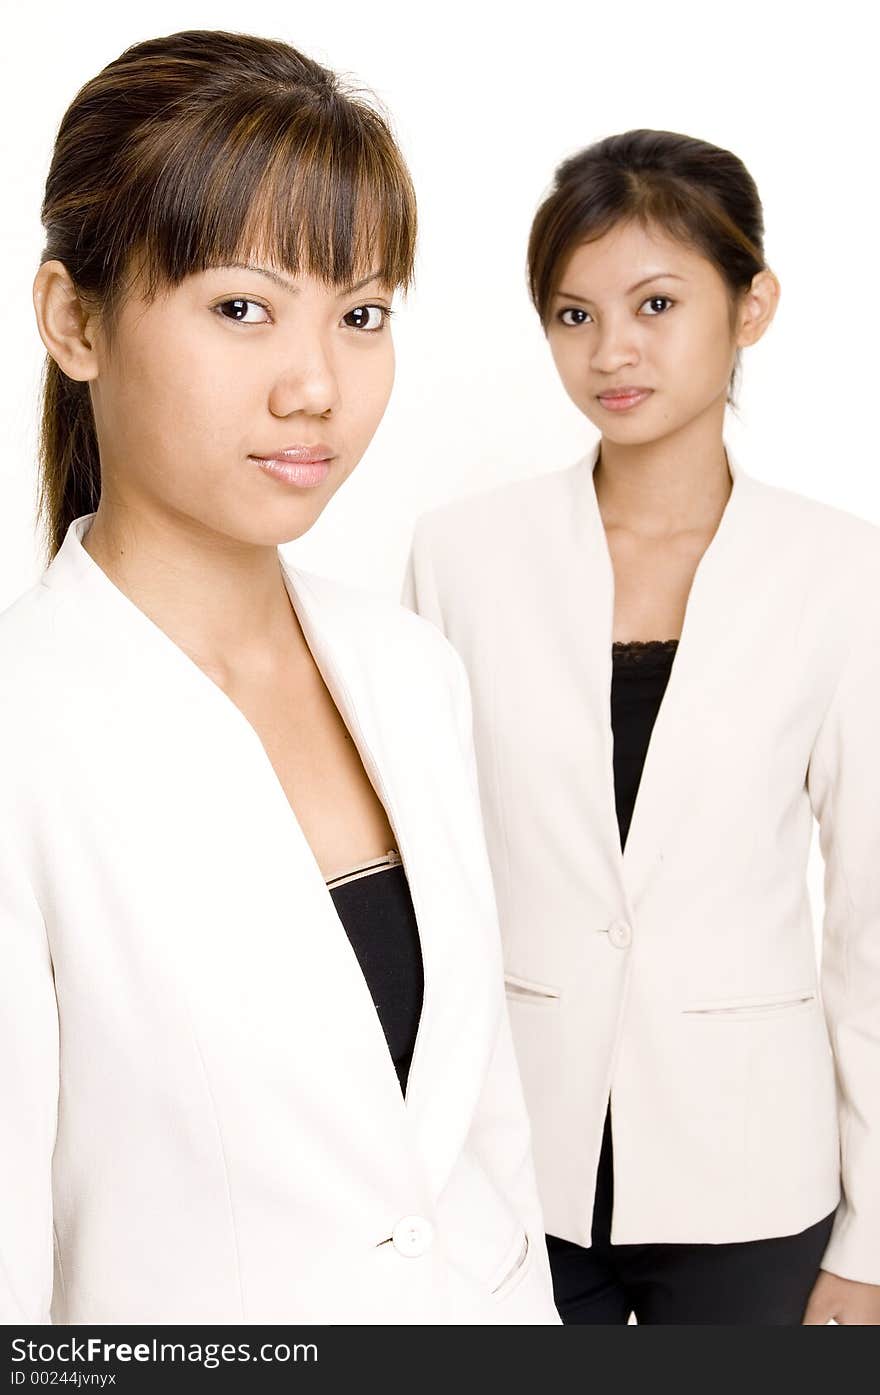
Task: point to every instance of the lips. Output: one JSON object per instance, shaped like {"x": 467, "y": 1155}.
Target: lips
{"x": 624, "y": 399}
{"x": 298, "y": 455}
{"x": 622, "y": 393}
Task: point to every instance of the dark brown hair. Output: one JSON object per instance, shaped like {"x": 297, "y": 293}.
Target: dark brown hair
{"x": 190, "y": 151}
{"x": 697, "y": 192}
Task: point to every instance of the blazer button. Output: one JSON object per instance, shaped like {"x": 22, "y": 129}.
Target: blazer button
{"x": 412, "y": 1236}
{"x": 620, "y": 934}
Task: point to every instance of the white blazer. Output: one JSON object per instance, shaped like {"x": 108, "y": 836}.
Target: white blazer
{"x": 200, "y": 1113}
{"x": 680, "y": 977}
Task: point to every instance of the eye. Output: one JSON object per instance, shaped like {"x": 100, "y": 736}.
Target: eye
{"x": 371, "y": 318}
{"x": 239, "y": 311}
{"x": 579, "y": 315}
{"x": 658, "y": 299}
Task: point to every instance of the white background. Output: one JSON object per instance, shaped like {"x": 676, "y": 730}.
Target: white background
{"x": 486, "y": 99}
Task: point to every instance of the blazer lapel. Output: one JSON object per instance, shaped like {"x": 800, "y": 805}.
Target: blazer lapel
{"x": 664, "y": 785}
{"x": 457, "y": 1024}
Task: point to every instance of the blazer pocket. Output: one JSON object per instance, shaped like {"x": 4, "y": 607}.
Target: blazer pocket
{"x": 763, "y": 1005}
{"x": 512, "y": 1270}
{"x": 524, "y": 990}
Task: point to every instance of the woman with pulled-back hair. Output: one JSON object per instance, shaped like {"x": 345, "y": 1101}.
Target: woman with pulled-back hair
{"x": 256, "y": 1058}
{"x": 674, "y": 669}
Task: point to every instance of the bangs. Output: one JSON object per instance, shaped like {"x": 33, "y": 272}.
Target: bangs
{"x": 315, "y": 187}
{"x": 584, "y": 212}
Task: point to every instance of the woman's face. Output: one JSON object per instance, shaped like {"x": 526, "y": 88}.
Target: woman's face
{"x": 638, "y": 309}
{"x": 233, "y": 365}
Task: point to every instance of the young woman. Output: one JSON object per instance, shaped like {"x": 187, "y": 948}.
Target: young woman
{"x": 659, "y": 952}
{"x": 245, "y": 901}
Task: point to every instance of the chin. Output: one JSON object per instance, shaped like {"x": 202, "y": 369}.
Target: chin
{"x": 628, "y": 433}
{"x": 270, "y": 528}
{"x": 643, "y": 433}
{"x": 294, "y": 525}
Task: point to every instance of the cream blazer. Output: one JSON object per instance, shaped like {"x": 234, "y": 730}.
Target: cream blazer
{"x": 680, "y": 977}
{"x": 201, "y": 1119}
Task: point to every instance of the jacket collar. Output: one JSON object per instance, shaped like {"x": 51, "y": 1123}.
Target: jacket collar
{"x": 591, "y": 518}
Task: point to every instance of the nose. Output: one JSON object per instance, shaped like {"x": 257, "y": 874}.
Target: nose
{"x": 614, "y": 346}
{"x": 307, "y": 383}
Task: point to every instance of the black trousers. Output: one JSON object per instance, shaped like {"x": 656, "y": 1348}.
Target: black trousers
{"x": 754, "y": 1282}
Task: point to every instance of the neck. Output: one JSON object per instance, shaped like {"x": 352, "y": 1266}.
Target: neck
{"x": 673, "y": 484}
{"x": 221, "y": 600}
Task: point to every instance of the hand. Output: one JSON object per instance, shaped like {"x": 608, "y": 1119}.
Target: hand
{"x": 844, "y": 1300}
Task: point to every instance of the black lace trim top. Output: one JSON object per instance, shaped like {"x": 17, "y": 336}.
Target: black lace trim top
{"x": 374, "y": 904}
{"x": 640, "y": 671}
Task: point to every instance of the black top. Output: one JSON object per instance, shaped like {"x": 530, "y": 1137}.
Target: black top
{"x": 374, "y": 904}
{"x": 639, "y": 673}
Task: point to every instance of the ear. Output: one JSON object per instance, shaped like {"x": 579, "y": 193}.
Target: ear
{"x": 64, "y": 325}
{"x": 757, "y": 307}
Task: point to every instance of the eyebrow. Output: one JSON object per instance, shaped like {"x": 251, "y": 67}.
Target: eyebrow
{"x": 657, "y": 276}
{"x": 286, "y": 282}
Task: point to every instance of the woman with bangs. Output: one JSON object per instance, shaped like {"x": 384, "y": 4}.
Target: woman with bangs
{"x": 674, "y": 669}
{"x": 257, "y": 1064}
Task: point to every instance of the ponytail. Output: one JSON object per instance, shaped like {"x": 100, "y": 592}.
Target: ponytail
{"x": 70, "y": 467}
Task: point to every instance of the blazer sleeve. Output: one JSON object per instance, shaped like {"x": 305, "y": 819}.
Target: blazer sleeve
{"x": 500, "y": 1133}
{"x": 29, "y": 1078}
{"x": 844, "y": 789}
